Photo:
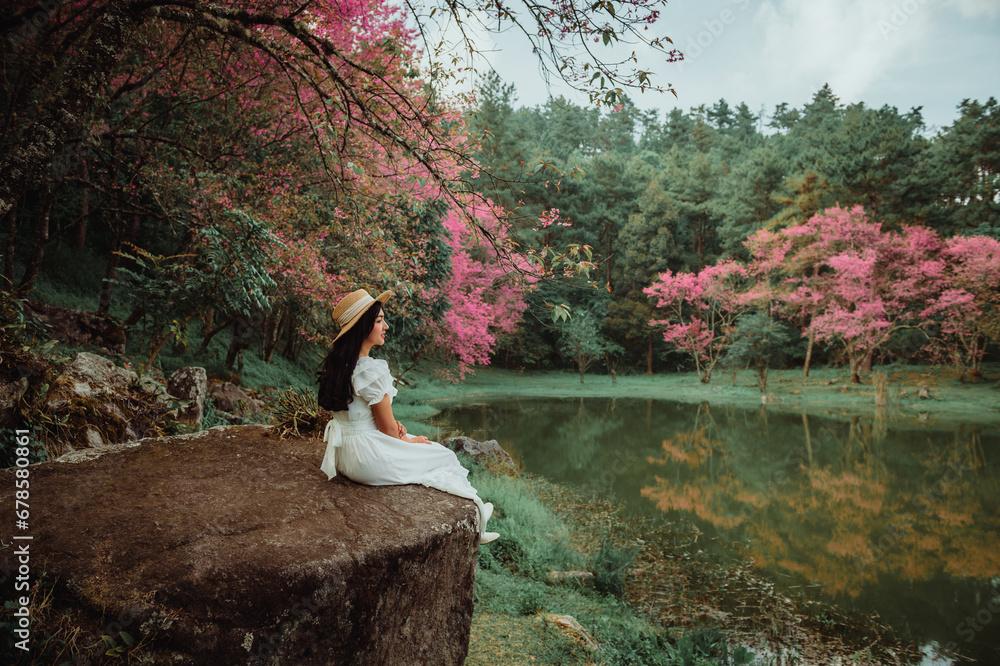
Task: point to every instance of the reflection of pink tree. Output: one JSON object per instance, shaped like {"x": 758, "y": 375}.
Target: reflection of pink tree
{"x": 968, "y": 307}
{"x": 702, "y": 309}
{"x": 485, "y": 296}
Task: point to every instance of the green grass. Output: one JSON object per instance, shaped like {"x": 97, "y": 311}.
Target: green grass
{"x": 71, "y": 279}
{"x": 827, "y": 387}
{"x": 532, "y": 540}
{"x": 514, "y": 592}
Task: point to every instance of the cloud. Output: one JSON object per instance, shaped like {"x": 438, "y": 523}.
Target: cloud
{"x": 976, "y": 8}
{"x": 850, "y": 45}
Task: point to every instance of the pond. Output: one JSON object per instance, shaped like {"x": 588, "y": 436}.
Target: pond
{"x": 883, "y": 513}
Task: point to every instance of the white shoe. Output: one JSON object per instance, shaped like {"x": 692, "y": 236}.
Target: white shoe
{"x": 487, "y": 512}
{"x": 488, "y": 536}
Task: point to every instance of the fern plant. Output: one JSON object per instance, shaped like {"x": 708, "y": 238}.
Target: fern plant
{"x": 296, "y": 412}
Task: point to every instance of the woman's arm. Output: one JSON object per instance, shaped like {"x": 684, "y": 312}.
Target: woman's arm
{"x": 387, "y": 423}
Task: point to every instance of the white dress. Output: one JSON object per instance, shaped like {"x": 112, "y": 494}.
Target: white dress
{"x": 356, "y": 448}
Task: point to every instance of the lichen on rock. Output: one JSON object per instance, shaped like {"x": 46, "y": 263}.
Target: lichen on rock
{"x": 191, "y": 385}
{"x": 93, "y": 402}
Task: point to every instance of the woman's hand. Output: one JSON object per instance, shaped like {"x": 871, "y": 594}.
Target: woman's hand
{"x": 402, "y": 435}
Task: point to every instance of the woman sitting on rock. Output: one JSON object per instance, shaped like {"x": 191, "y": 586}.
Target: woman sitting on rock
{"x": 364, "y": 442}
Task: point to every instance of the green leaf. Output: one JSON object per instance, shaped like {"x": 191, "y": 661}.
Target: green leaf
{"x": 126, "y": 637}
{"x": 560, "y": 312}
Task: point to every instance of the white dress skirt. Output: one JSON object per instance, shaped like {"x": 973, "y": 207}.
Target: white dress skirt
{"x": 356, "y": 448}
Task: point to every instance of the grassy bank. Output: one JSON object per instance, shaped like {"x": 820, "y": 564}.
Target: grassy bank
{"x": 825, "y": 388}
{"x": 653, "y": 598}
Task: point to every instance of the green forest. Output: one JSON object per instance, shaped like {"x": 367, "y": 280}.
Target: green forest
{"x": 627, "y": 193}
{"x": 651, "y": 192}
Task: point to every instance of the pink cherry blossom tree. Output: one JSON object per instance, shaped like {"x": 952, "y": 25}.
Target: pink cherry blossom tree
{"x": 968, "y": 307}
{"x": 855, "y": 283}
{"x": 486, "y": 296}
{"x": 702, "y": 309}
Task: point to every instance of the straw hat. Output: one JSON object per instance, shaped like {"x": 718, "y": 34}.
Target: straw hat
{"x": 350, "y": 308}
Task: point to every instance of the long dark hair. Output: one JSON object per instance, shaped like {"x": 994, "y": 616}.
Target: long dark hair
{"x": 335, "y": 390}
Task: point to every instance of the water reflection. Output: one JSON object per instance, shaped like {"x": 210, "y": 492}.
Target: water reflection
{"x": 884, "y": 513}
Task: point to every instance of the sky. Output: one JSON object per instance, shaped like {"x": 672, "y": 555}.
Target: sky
{"x": 904, "y": 53}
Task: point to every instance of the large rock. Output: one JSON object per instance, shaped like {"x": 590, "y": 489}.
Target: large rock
{"x": 484, "y": 452}
{"x": 93, "y": 402}
{"x": 229, "y": 546}
{"x": 191, "y": 385}
{"x": 233, "y": 400}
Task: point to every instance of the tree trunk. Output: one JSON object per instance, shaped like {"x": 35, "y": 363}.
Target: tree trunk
{"x": 809, "y": 352}
{"x": 609, "y": 234}
{"x": 80, "y": 240}
{"x": 135, "y": 317}
{"x": 41, "y": 239}
{"x": 208, "y": 335}
{"x": 762, "y": 377}
{"x": 155, "y": 346}
{"x": 649, "y": 356}
{"x": 855, "y": 361}
{"x": 65, "y": 105}
{"x": 207, "y": 323}
{"x": 241, "y": 329}
{"x": 8, "y": 267}
{"x": 272, "y": 330}
{"x": 866, "y": 363}
{"x": 290, "y": 338}
{"x": 976, "y": 358}
{"x": 111, "y": 271}
{"x": 414, "y": 361}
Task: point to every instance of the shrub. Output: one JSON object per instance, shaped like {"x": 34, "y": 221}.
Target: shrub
{"x": 297, "y": 412}
{"x": 609, "y": 565}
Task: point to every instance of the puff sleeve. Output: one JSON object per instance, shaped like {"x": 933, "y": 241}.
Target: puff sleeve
{"x": 372, "y": 380}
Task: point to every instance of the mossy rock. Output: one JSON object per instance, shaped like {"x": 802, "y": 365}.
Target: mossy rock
{"x": 91, "y": 402}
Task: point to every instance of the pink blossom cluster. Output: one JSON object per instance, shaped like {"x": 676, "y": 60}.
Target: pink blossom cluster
{"x": 702, "y": 309}
{"x": 843, "y": 278}
{"x": 550, "y": 217}
{"x": 486, "y": 298}
{"x": 848, "y": 280}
